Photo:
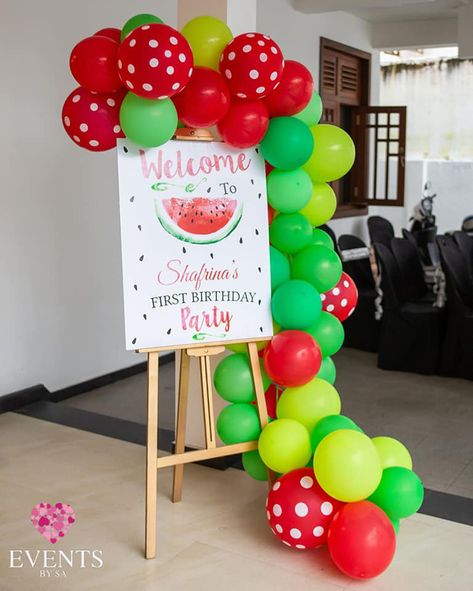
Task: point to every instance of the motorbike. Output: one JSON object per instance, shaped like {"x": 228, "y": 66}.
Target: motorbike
{"x": 424, "y": 228}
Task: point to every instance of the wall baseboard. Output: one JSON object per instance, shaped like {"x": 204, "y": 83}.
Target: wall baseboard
{"x": 16, "y": 400}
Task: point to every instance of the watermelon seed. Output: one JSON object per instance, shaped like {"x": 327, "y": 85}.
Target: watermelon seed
{"x": 241, "y": 240}
{"x": 259, "y": 269}
{"x": 211, "y": 255}
{"x": 133, "y": 341}
{"x": 142, "y": 257}
{"x": 252, "y": 182}
{"x": 136, "y": 287}
{"x": 125, "y": 149}
{"x": 259, "y": 302}
{"x": 132, "y": 199}
{"x": 256, "y": 232}
{"x": 184, "y": 250}
{"x": 168, "y": 331}
{"x": 209, "y": 189}
{"x": 261, "y": 328}
{"x": 259, "y": 195}
{"x": 256, "y": 150}
{"x": 145, "y": 317}
{"x": 211, "y": 221}
{"x": 139, "y": 227}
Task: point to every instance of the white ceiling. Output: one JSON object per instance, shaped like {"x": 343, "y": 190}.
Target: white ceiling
{"x": 386, "y": 10}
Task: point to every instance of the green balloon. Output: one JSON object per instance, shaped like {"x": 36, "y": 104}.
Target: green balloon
{"x": 296, "y": 304}
{"x": 396, "y": 524}
{"x": 400, "y": 492}
{"x": 322, "y": 238}
{"x": 329, "y": 333}
{"x": 136, "y": 21}
{"x": 254, "y": 465}
{"x": 312, "y": 113}
{"x": 147, "y": 122}
{"x": 327, "y": 371}
{"x": 233, "y": 379}
{"x": 289, "y": 190}
{"x": 284, "y": 445}
{"x": 333, "y": 155}
{"x": 318, "y": 265}
{"x": 238, "y": 423}
{"x": 290, "y": 232}
{"x": 329, "y": 424}
{"x": 288, "y": 143}
{"x": 280, "y": 267}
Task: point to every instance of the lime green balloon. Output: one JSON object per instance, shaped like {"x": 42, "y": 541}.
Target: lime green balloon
{"x": 322, "y": 238}
{"x": 399, "y": 494}
{"x": 327, "y": 371}
{"x": 309, "y": 403}
{"x": 284, "y": 445}
{"x": 318, "y": 265}
{"x": 290, "y": 232}
{"x": 136, "y": 21}
{"x": 254, "y": 465}
{"x": 296, "y": 304}
{"x": 280, "y": 267}
{"x": 312, "y": 113}
{"x": 327, "y": 425}
{"x": 321, "y": 206}
{"x": 396, "y": 524}
{"x": 288, "y": 190}
{"x": 207, "y": 37}
{"x": 333, "y": 154}
{"x": 238, "y": 423}
{"x": 392, "y": 452}
{"x": 329, "y": 333}
{"x": 288, "y": 143}
{"x": 147, "y": 122}
{"x": 347, "y": 465}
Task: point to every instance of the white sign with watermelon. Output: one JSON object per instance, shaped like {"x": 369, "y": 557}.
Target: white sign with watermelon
{"x": 195, "y": 256}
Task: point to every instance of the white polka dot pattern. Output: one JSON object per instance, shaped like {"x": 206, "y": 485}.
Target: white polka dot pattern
{"x": 341, "y": 300}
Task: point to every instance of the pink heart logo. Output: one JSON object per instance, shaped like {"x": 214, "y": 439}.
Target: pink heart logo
{"x": 53, "y": 521}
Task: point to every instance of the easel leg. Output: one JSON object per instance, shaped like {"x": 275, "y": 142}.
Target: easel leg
{"x": 260, "y": 399}
{"x": 207, "y": 400}
{"x": 151, "y": 456}
{"x": 181, "y": 424}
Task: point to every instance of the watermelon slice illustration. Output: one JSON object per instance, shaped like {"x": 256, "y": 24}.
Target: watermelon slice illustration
{"x": 200, "y": 220}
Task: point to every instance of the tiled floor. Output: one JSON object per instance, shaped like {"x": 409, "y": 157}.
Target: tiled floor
{"x": 431, "y": 415}
{"x": 217, "y": 538}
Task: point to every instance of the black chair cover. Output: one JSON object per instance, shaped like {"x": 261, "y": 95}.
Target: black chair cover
{"x": 465, "y": 243}
{"x": 380, "y": 230}
{"x": 413, "y": 280}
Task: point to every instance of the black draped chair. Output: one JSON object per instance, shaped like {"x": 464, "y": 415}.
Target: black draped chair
{"x": 457, "y": 350}
{"x": 408, "y": 259}
{"x": 361, "y": 328}
{"x": 380, "y": 230}
{"x": 331, "y": 233}
{"x": 465, "y": 244}
{"x": 410, "y": 333}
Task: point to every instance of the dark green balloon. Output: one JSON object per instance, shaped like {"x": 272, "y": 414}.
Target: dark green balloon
{"x": 254, "y": 466}
{"x": 290, "y": 232}
{"x": 238, "y": 423}
{"x": 289, "y": 190}
{"x": 327, "y": 371}
{"x": 329, "y": 424}
{"x": 148, "y": 122}
{"x": 318, "y": 265}
{"x": 399, "y": 494}
{"x": 296, "y": 304}
{"x": 136, "y": 21}
{"x": 329, "y": 333}
{"x": 288, "y": 143}
{"x": 322, "y": 238}
{"x": 280, "y": 267}
{"x": 233, "y": 379}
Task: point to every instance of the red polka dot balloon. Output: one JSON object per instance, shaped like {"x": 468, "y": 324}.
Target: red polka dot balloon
{"x": 155, "y": 61}
{"x": 341, "y": 300}
{"x": 91, "y": 120}
{"x": 299, "y": 511}
{"x": 253, "y": 65}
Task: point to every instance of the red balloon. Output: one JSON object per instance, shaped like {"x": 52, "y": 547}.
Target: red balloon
{"x": 292, "y": 358}
{"x": 204, "y": 100}
{"x": 252, "y": 64}
{"x": 361, "y": 540}
{"x": 93, "y": 64}
{"x": 299, "y": 510}
{"x": 110, "y": 32}
{"x": 91, "y": 120}
{"x": 341, "y": 300}
{"x": 245, "y": 124}
{"x": 294, "y": 91}
{"x": 271, "y": 214}
{"x": 155, "y": 61}
{"x": 271, "y": 396}
{"x": 268, "y": 167}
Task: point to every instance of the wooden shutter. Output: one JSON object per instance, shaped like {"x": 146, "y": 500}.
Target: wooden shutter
{"x": 348, "y": 73}
{"x": 329, "y": 73}
{"x": 378, "y": 174}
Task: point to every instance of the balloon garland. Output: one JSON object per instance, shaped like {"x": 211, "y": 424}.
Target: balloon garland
{"x": 337, "y": 485}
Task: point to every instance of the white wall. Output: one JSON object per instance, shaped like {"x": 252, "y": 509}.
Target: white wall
{"x": 61, "y": 301}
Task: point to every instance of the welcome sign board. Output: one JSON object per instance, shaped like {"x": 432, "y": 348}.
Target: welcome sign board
{"x": 194, "y": 229}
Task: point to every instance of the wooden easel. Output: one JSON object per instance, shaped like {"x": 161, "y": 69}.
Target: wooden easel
{"x": 180, "y": 457}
